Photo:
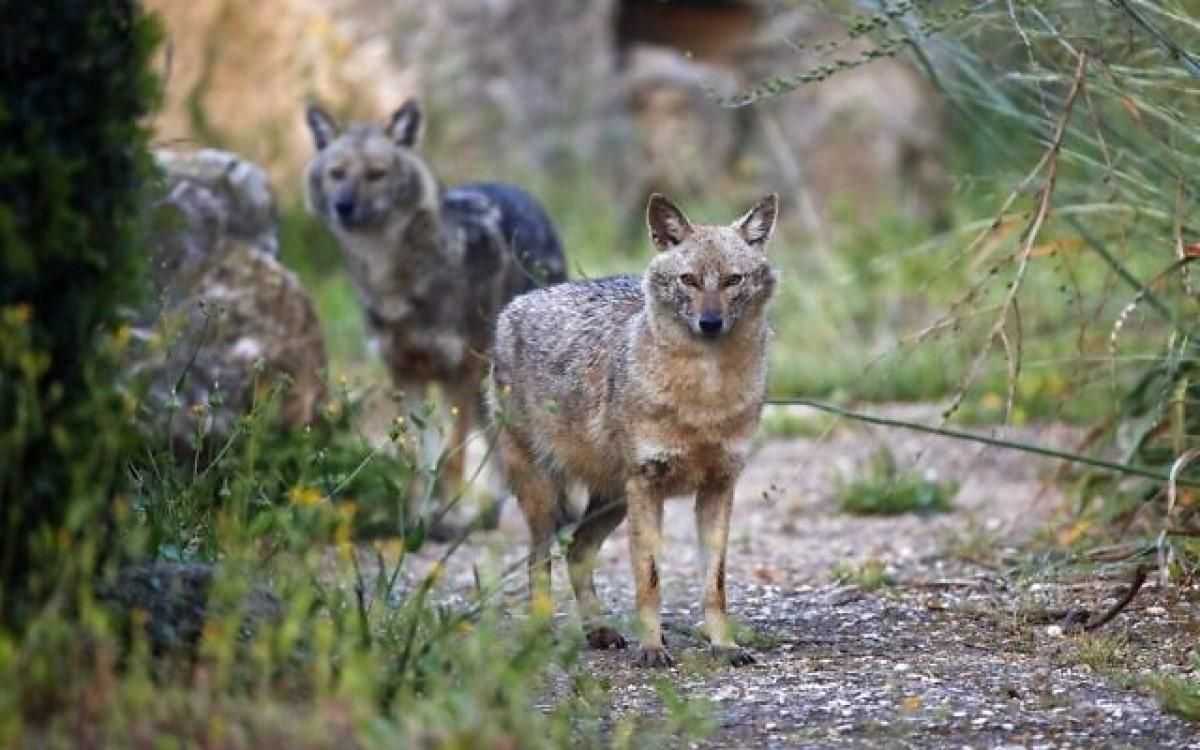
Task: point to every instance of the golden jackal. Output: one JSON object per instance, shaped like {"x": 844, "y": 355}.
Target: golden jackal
{"x": 432, "y": 267}
{"x": 640, "y": 389}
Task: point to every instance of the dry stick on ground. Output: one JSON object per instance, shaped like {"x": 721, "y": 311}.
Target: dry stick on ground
{"x": 1049, "y": 161}
{"x": 1077, "y": 619}
{"x": 1136, "y": 580}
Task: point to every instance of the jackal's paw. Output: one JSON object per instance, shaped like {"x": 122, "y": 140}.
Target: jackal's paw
{"x": 734, "y": 656}
{"x": 605, "y": 638}
{"x": 651, "y": 657}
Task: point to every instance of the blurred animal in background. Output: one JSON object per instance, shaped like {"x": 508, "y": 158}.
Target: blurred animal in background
{"x": 432, "y": 269}
{"x": 640, "y": 389}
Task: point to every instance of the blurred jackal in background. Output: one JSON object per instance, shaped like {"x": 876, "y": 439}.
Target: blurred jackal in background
{"x": 432, "y": 268}
{"x": 640, "y": 389}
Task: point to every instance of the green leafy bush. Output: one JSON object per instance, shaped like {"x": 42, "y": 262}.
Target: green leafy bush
{"x": 75, "y": 85}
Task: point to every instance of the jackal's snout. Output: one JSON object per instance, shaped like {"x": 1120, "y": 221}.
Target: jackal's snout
{"x": 711, "y": 325}
{"x": 344, "y": 205}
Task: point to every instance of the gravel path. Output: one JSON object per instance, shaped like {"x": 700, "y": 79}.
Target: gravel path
{"x": 953, "y": 654}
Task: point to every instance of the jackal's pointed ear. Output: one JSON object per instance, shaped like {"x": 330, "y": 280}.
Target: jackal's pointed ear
{"x": 668, "y": 226}
{"x": 758, "y": 223}
{"x": 324, "y": 128}
{"x": 405, "y": 126}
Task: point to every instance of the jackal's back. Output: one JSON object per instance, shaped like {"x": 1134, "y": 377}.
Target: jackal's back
{"x": 561, "y": 362}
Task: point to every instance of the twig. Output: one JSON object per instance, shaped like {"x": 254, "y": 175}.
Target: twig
{"x": 1173, "y": 50}
{"x": 1135, "y": 584}
{"x": 1128, "y": 469}
{"x": 1049, "y": 161}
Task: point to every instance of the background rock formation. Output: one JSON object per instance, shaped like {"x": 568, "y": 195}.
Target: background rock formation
{"x": 623, "y": 87}
{"x": 231, "y": 319}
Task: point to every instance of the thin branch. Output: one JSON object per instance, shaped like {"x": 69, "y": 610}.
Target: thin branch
{"x": 1120, "y": 468}
{"x": 1049, "y": 161}
{"x": 1135, "y": 584}
{"x": 1173, "y": 50}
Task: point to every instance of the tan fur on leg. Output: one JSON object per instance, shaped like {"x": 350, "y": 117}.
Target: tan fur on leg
{"x": 714, "y": 503}
{"x": 645, "y": 539}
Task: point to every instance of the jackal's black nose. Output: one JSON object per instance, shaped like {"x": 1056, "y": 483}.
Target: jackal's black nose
{"x": 710, "y": 325}
{"x": 344, "y": 208}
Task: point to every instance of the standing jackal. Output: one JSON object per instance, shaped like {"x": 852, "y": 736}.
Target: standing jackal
{"x": 432, "y": 268}
{"x": 640, "y": 389}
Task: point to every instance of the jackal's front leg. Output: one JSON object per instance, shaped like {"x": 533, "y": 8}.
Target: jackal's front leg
{"x": 714, "y": 502}
{"x": 645, "y": 539}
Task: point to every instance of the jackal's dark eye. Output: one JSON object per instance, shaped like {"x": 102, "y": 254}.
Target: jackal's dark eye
{"x": 688, "y": 279}
{"x": 732, "y": 279}
{"x": 337, "y": 173}
{"x": 375, "y": 175}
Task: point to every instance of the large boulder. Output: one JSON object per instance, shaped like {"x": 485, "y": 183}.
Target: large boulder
{"x": 623, "y": 86}
{"x": 523, "y": 82}
{"x": 231, "y": 320}
{"x": 680, "y": 140}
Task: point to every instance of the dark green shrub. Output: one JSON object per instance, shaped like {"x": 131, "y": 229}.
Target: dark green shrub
{"x": 75, "y": 85}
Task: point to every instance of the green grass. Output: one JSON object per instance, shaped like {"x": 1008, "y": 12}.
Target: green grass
{"x": 366, "y": 648}
{"x": 782, "y": 422}
{"x": 883, "y": 490}
{"x": 1105, "y": 653}
{"x": 1179, "y": 695}
{"x": 871, "y": 575}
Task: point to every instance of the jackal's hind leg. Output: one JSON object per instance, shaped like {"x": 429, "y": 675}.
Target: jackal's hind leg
{"x": 602, "y": 516}
{"x": 537, "y": 496}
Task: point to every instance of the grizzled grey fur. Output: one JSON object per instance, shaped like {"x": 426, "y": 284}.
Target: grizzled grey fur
{"x": 432, "y": 268}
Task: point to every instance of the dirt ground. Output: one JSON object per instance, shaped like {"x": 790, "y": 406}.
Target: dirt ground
{"x": 962, "y": 649}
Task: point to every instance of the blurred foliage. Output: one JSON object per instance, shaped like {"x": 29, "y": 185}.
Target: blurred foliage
{"x": 75, "y": 86}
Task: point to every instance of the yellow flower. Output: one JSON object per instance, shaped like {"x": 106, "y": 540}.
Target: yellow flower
{"x": 121, "y": 336}
{"x": 333, "y": 408}
{"x": 454, "y": 411}
{"x": 343, "y": 531}
{"x": 22, "y": 313}
{"x": 991, "y": 401}
{"x": 305, "y": 496}
{"x": 540, "y": 604}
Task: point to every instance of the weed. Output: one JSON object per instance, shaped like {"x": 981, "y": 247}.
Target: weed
{"x": 1179, "y": 694}
{"x": 1102, "y": 652}
{"x": 870, "y": 575}
{"x": 883, "y": 490}
{"x": 785, "y": 422}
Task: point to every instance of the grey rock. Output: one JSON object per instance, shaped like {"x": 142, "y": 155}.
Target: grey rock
{"x": 231, "y": 320}
{"x": 171, "y": 602}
